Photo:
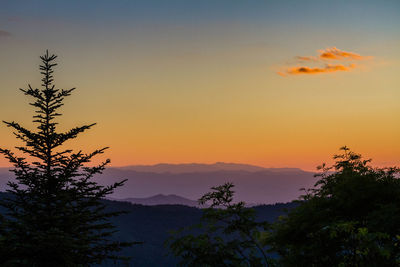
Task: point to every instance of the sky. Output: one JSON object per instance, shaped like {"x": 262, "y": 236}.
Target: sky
{"x": 269, "y": 83}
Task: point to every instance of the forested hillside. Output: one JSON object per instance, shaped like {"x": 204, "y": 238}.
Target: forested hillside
{"x": 151, "y": 224}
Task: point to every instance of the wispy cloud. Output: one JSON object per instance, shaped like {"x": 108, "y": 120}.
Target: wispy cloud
{"x": 317, "y": 70}
{"x": 333, "y": 53}
{"x": 328, "y": 54}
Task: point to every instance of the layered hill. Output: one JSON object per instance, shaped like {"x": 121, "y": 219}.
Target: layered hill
{"x": 160, "y": 199}
{"x": 152, "y": 226}
{"x": 253, "y": 184}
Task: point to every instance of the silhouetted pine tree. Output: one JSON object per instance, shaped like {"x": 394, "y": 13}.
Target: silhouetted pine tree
{"x": 55, "y": 215}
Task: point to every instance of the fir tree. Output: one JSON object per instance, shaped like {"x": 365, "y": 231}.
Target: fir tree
{"x": 55, "y": 213}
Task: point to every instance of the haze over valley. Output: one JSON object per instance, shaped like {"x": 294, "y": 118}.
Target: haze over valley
{"x": 253, "y": 184}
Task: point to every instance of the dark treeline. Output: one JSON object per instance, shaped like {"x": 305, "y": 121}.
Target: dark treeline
{"x": 153, "y": 224}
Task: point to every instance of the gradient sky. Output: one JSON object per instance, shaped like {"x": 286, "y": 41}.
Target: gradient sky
{"x": 206, "y": 81}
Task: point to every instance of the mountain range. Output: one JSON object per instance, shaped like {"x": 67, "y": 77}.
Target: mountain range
{"x": 160, "y": 199}
{"x": 188, "y": 182}
{"x": 201, "y": 167}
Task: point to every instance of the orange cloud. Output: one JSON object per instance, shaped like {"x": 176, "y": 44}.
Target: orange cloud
{"x": 308, "y": 70}
{"x": 330, "y": 53}
{"x": 337, "y": 54}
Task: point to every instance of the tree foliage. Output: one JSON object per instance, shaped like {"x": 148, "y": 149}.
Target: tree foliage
{"x": 55, "y": 216}
{"x": 228, "y": 234}
{"x": 350, "y": 218}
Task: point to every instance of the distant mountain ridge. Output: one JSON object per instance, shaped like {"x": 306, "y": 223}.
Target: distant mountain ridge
{"x": 253, "y": 184}
{"x": 202, "y": 167}
{"x": 161, "y": 199}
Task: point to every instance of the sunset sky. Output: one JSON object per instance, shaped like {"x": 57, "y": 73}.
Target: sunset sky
{"x": 270, "y": 83}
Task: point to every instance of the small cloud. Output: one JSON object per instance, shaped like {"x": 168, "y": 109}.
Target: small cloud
{"x": 333, "y": 53}
{"x": 5, "y": 34}
{"x": 329, "y": 54}
{"x": 316, "y": 70}
{"x": 327, "y": 68}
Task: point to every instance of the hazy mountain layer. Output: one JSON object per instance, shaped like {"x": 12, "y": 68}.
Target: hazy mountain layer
{"x": 253, "y": 184}
{"x": 198, "y": 167}
{"x": 161, "y": 199}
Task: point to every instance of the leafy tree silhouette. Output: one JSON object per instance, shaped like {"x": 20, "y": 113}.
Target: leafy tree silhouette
{"x": 350, "y": 218}
{"x": 55, "y": 215}
{"x": 229, "y": 234}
